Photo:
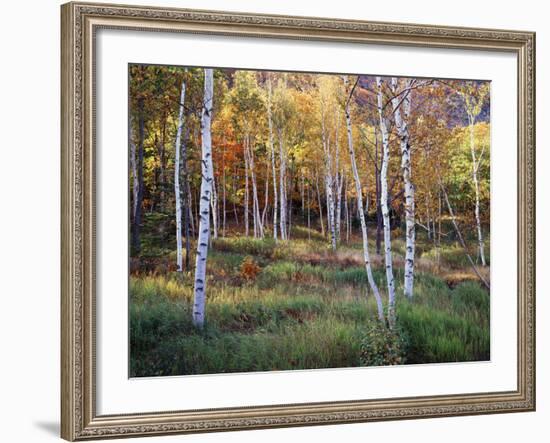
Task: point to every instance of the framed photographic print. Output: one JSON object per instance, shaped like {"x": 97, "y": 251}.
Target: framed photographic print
{"x": 283, "y": 221}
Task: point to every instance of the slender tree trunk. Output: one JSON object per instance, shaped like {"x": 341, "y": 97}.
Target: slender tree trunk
{"x": 339, "y": 177}
{"x": 401, "y": 122}
{"x": 439, "y": 229}
{"x": 266, "y": 198}
{"x": 319, "y": 203}
{"x": 136, "y": 243}
{"x": 364, "y": 232}
{"x": 133, "y": 166}
{"x": 379, "y": 218}
{"x": 302, "y": 193}
{"x": 289, "y": 216}
{"x": 186, "y": 202}
{"x": 214, "y": 207}
{"x": 460, "y": 238}
{"x": 234, "y": 189}
{"x": 346, "y": 211}
{"x": 186, "y": 219}
{"x": 246, "y": 193}
{"x": 340, "y": 186}
{"x": 224, "y": 194}
{"x": 258, "y": 228}
{"x": 199, "y": 300}
{"x": 384, "y": 204}
{"x": 195, "y": 215}
{"x": 272, "y": 148}
{"x": 328, "y": 183}
{"x": 330, "y": 210}
{"x": 327, "y": 206}
{"x": 282, "y": 179}
{"x": 162, "y": 164}
{"x": 428, "y": 217}
{"x": 177, "y": 187}
{"x": 309, "y": 212}
{"x": 475, "y": 168}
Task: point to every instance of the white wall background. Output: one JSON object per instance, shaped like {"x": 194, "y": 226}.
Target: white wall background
{"x": 29, "y": 219}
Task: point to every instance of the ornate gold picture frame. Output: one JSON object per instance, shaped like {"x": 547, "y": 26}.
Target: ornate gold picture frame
{"x": 79, "y": 417}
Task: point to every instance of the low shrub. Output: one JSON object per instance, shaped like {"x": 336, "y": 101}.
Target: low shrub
{"x": 249, "y": 269}
{"x": 383, "y": 346}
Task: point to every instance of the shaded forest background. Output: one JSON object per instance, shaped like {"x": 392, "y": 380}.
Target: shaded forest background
{"x": 348, "y": 220}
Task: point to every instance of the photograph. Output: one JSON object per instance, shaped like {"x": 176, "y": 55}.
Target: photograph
{"x": 273, "y": 217}
{"x": 285, "y": 221}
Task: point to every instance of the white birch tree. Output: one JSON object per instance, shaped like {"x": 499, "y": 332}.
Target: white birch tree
{"x": 384, "y": 202}
{"x": 272, "y": 150}
{"x": 133, "y": 166}
{"x": 282, "y": 186}
{"x": 401, "y": 103}
{"x": 359, "y": 192}
{"x": 199, "y": 298}
{"x": 177, "y": 187}
{"x": 258, "y": 228}
{"x": 473, "y": 96}
{"x": 329, "y": 179}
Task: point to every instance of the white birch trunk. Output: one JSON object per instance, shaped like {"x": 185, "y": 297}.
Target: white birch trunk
{"x": 199, "y": 299}
{"x": 135, "y": 180}
{"x": 258, "y": 228}
{"x": 266, "y": 198}
{"x": 339, "y": 179}
{"x": 272, "y": 146}
{"x": 177, "y": 188}
{"x": 364, "y": 232}
{"x": 246, "y": 193}
{"x": 329, "y": 182}
{"x": 346, "y": 211}
{"x": 330, "y": 209}
{"x": 289, "y": 188}
{"x": 401, "y": 122}
{"x": 340, "y": 186}
{"x": 475, "y": 167}
{"x": 302, "y": 192}
{"x": 282, "y": 193}
{"x": 319, "y": 203}
{"x": 309, "y": 212}
{"x": 384, "y": 204}
{"x": 224, "y": 197}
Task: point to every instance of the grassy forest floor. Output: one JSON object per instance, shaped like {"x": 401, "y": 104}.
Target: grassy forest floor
{"x": 298, "y": 305}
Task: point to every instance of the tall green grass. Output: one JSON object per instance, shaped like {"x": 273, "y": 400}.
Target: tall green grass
{"x": 297, "y": 315}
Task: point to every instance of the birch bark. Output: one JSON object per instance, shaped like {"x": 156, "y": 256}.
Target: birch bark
{"x": 364, "y": 232}
{"x": 258, "y": 228}
{"x": 177, "y": 187}
{"x": 475, "y": 168}
{"x": 339, "y": 179}
{"x": 199, "y": 299}
{"x": 401, "y": 110}
{"x": 272, "y": 147}
{"x": 133, "y": 165}
{"x": 329, "y": 182}
{"x": 282, "y": 193}
{"x": 473, "y": 103}
{"x": 319, "y": 203}
{"x": 384, "y": 204}
{"x": 246, "y": 191}
{"x": 136, "y": 243}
